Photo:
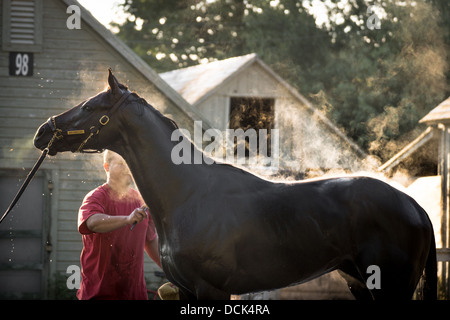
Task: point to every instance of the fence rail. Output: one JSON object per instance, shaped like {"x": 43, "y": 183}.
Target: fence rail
{"x": 443, "y": 254}
{"x": 443, "y": 259}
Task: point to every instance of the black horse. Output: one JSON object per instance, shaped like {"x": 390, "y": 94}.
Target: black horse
{"x": 225, "y": 231}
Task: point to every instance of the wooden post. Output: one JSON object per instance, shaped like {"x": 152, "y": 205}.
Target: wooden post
{"x": 444, "y": 171}
{"x": 445, "y": 215}
{"x": 444, "y": 153}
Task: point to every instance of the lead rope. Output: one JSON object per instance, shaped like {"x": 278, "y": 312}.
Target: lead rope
{"x": 31, "y": 174}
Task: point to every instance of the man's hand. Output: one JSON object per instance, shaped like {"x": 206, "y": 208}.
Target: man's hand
{"x": 137, "y": 215}
{"x": 101, "y": 222}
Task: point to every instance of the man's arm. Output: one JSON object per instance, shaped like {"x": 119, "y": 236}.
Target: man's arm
{"x": 101, "y": 222}
{"x": 151, "y": 247}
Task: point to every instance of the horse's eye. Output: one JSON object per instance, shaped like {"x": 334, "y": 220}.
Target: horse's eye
{"x": 86, "y": 107}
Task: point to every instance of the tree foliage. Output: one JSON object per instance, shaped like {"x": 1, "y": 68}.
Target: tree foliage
{"x": 374, "y": 83}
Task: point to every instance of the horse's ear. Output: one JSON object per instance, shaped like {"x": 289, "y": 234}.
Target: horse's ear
{"x": 113, "y": 83}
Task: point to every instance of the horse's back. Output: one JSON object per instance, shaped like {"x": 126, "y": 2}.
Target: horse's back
{"x": 375, "y": 209}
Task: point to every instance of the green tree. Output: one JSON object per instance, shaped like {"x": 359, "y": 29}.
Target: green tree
{"x": 374, "y": 83}
{"x": 172, "y": 34}
{"x": 384, "y": 80}
{"x": 285, "y": 36}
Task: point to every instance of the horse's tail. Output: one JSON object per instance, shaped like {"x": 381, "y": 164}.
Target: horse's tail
{"x": 430, "y": 287}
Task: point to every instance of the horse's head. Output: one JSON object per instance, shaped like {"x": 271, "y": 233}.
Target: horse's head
{"x": 78, "y": 129}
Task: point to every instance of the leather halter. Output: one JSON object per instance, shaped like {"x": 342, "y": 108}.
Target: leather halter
{"x": 94, "y": 130}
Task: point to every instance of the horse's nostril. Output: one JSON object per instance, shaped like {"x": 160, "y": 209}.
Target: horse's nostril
{"x": 39, "y": 135}
{"x": 40, "y": 132}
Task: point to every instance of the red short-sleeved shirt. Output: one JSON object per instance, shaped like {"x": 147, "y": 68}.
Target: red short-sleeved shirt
{"x": 112, "y": 263}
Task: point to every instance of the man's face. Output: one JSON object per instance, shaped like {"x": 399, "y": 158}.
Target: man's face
{"x": 118, "y": 170}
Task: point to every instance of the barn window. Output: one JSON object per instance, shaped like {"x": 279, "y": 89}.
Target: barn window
{"x": 22, "y": 25}
{"x": 252, "y": 113}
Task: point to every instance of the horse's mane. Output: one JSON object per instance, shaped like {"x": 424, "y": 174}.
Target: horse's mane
{"x": 169, "y": 122}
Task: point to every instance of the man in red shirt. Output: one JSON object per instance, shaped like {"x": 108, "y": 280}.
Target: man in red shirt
{"x": 112, "y": 260}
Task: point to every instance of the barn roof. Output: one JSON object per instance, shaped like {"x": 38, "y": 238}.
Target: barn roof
{"x": 440, "y": 114}
{"x": 140, "y": 65}
{"x": 195, "y": 82}
{"x": 199, "y": 82}
{"x": 408, "y": 150}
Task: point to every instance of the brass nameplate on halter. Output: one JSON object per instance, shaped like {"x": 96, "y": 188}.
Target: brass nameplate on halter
{"x": 75, "y": 132}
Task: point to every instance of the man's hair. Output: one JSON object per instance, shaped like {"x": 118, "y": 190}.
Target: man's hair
{"x": 108, "y": 155}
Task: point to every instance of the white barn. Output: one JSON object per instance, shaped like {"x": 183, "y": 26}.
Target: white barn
{"x": 229, "y": 93}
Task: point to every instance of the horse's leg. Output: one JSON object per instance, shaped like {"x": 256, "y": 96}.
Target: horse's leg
{"x": 186, "y": 295}
{"x": 355, "y": 281}
{"x": 205, "y": 291}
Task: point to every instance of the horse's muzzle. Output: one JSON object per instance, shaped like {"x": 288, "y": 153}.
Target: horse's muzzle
{"x": 42, "y": 138}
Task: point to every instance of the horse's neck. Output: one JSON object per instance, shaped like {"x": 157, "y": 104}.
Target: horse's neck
{"x": 147, "y": 151}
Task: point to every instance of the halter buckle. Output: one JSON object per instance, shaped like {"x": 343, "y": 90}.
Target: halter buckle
{"x": 104, "y": 120}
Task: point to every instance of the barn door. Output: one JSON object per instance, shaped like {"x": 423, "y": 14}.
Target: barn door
{"x": 253, "y": 113}
{"x": 22, "y": 237}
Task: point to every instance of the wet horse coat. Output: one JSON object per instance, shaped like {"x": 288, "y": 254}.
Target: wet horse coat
{"x": 225, "y": 231}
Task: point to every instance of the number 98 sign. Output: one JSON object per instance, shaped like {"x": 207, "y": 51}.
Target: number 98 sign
{"x": 20, "y": 64}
